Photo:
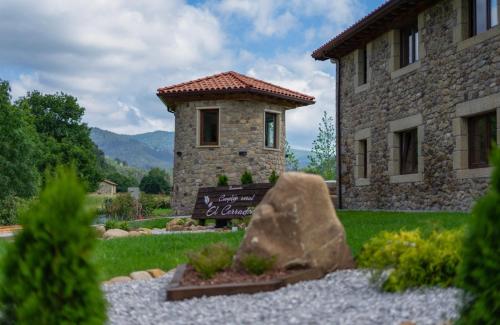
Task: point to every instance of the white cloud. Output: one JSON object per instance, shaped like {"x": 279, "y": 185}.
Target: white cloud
{"x": 269, "y": 18}
{"x": 302, "y": 74}
{"x": 279, "y": 17}
{"x": 113, "y": 54}
{"x": 108, "y": 53}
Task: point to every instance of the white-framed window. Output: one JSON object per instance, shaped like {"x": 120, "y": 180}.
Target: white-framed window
{"x": 405, "y": 138}
{"x": 362, "y": 150}
{"x": 208, "y": 126}
{"x": 407, "y": 47}
{"x": 476, "y": 127}
{"x": 363, "y": 69}
{"x": 477, "y": 21}
{"x": 272, "y": 129}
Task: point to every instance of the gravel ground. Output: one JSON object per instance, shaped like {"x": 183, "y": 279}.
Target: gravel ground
{"x": 344, "y": 297}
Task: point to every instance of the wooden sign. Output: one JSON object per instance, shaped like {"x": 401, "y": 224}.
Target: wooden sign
{"x": 228, "y": 202}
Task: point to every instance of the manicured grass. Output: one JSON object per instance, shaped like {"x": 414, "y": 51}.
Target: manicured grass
{"x": 162, "y": 212}
{"x": 360, "y": 226}
{"x": 152, "y": 223}
{"x": 124, "y": 255}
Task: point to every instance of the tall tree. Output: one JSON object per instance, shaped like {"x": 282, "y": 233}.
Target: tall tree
{"x": 65, "y": 138}
{"x": 18, "y": 149}
{"x": 155, "y": 182}
{"x": 323, "y": 154}
{"x": 292, "y": 163}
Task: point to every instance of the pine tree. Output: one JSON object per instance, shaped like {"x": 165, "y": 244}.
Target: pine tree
{"x": 292, "y": 163}
{"x": 480, "y": 271}
{"x": 51, "y": 278}
{"x": 323, "y": 154}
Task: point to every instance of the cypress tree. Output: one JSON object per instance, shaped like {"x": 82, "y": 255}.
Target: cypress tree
{"x": 48, "y": 274}
{"x": 480, "y": 270}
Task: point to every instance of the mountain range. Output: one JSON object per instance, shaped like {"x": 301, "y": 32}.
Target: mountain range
{"x": 148, "y": 150}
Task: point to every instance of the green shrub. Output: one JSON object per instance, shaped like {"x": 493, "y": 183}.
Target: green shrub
{"x": 223, "y": 180}
{"x": 256, "y": 264}
{"x": 148, "y": 204}
{"x": 162, "y": 202}
{"x": 211, "y": 259}
{"x": 412, "y": 260}
{"x": 115, "y": 224}
{"x": 480, "y": 270}
{"x": 273, "y": 178}
{"x": 51, "y": 278}
{"x": 10, "y": 207}
{"x": 246, "y": 178}
{"x": 122, "y": 207}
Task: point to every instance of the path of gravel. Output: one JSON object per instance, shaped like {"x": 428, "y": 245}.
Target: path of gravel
{"x": 344, "y": 297}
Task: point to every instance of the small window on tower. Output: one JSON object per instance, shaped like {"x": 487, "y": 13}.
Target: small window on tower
{"x": 209, "y": 127}
{"x": 271, "y": 130}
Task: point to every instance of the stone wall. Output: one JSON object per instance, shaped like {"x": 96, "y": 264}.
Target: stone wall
{"x": 241, "y": 129}
{"x": 451, "y": 72}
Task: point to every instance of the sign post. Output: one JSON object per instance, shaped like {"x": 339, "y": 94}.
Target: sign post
{"x": 228, "y": 202}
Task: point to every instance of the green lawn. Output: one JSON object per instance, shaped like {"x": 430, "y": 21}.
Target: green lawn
{"x": 360, "y": 226}
{"x": 122, "y": 256}
{"x": 149, "y": 223}
{"x": 162, "y": 212}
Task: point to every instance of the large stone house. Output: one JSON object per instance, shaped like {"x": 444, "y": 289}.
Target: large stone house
{"x": 418, "y": 104}
{"x": 226, "y": 124}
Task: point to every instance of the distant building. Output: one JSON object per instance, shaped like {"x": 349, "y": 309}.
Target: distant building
{"x": 418, "y": 104}
{"x": 226, "y": 124}
{"x": 107, "y": 187}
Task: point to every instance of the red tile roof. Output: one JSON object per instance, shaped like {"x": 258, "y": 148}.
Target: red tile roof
{"x": 233, "y": 82}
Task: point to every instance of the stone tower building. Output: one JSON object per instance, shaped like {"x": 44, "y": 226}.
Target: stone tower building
{"x": 226, "y": 124}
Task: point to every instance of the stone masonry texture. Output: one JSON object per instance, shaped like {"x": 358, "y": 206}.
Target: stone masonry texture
{"x": 447, "y": 76}
{"x": 241, "y": 130}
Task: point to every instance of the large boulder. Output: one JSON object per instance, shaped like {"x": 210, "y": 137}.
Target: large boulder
{"x": 296, "y": 224}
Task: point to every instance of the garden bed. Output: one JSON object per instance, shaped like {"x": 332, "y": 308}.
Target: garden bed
{"x": 186, "y": 283}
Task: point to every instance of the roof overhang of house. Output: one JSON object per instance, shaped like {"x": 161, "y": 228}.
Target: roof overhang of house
{"x": 391, "y": 15}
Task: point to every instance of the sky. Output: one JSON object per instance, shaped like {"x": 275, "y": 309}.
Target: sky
{"x": 114, "y": 54}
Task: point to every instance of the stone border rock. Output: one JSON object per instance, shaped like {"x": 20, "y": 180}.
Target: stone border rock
{"x": 120, "y": 233}
{"x": 138, "y": 275}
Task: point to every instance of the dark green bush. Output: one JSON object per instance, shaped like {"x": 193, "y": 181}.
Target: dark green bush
{"x": 10, "y": 207}
{"x": 273, "y": 178}
{"x": 223, "y": 180}
{"x": 246, "y": 178}
{"x": 122, "y": 207}
{"x": 51, "y": 277}
{"x": 115, "y": 224}
{"x": 211, "y": 259}
{"x": 155, "y": 182}
{"x": 148, "y": 204}
{"x": 413, "y": 260}
{"x": 480, "y": 270}
{"x": 256, "y": 264}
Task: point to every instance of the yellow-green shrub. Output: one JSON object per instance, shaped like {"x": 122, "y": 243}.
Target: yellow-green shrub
{"x": 211, "y": 259}
{"x": 413, "y": 260}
